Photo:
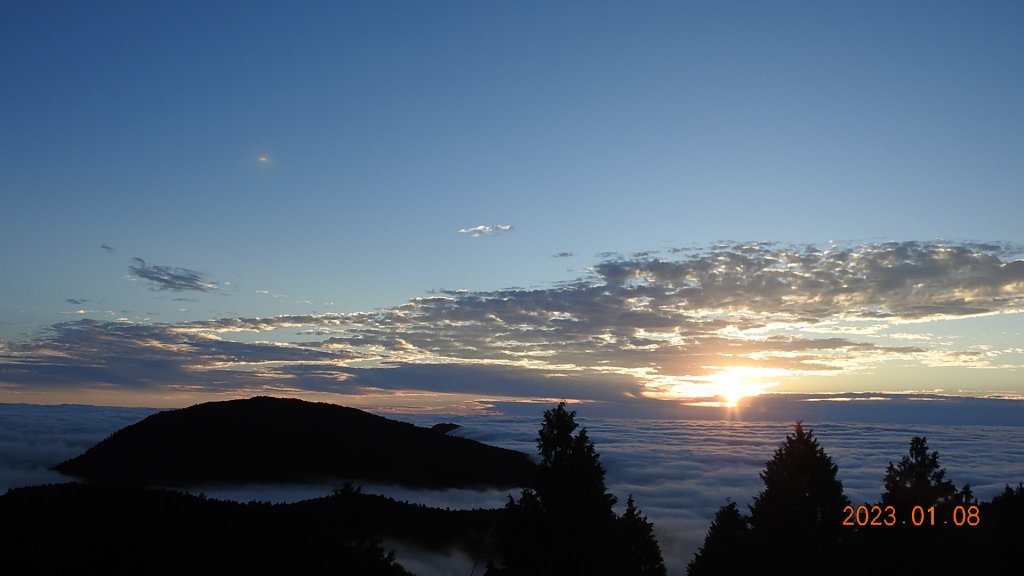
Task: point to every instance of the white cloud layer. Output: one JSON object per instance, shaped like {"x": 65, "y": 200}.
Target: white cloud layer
{"x": 680, "y": 471}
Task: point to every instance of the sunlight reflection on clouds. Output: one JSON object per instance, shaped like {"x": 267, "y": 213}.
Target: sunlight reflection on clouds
{"x": 642, "y": 327}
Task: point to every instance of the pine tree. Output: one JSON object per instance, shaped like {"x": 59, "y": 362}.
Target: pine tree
{"x": 641, "y": 552}
{"x": 565, "y": 524}
{"x": 726, "y": 548}
{"x": 917, "y": 485}
{"x": 801, "y": 495}
{"x": 571, "y": 485}
{"x": 796, "y": 521}
{"x": 917, "y": 480}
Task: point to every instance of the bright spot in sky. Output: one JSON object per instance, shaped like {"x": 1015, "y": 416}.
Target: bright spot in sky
{"x": 725, "y": 388}
{"x": 264, "y": 159}
{"x": 732, "y": 391}
{"x": 734, "y": 383}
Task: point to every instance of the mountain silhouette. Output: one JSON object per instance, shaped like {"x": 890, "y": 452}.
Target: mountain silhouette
{"x": 266, "y": 439}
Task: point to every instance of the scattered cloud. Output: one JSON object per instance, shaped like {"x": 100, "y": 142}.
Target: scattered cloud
{"x": 271, "y": 294}
{"x": 170, "y": 278}
{"x": 562, "y": 255}
{"x": 484, "y": 230}
{"x": 633, "y": 332}
{"x": 90, "y": 354}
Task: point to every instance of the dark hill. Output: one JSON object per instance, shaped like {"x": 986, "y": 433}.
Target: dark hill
{"x": 287, "y": 440}
{"x": 104, "y": 529}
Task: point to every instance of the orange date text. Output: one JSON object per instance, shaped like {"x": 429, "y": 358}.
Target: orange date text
{"x": 918, "y": 516}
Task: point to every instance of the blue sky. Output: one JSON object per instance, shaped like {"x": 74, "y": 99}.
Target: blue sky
{"x": 172, "y": 172}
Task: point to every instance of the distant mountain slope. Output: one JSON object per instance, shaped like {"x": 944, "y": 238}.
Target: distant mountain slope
{"x": 287, "y": 440}
{"x": 103, "y": 529}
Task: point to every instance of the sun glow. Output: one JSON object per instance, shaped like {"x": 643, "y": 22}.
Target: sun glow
{"x": 734, "y": 383}
{"x": 724, "y": 388}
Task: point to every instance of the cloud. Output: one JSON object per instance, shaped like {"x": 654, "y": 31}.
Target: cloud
{"x": 188, "y": 360}
{"x": 77, "y": 301}
{"x": 680, "y": 471}
{"x": 107, "y": 248}
{"x": 34, "y": 438}
{"x": 484, "y": 230}
{"x": 562, "y": 255}
{"x": 257, "y": 324}
{"x": 732, "y": 306}
{"x": 632, "y": 332}
{"x": 891, "y": 280}
{"x": 93, "y": 355}
{"x": 170, "y": 278}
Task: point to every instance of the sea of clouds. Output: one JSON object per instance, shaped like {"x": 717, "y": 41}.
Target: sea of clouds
{"x": 679, "y": 472}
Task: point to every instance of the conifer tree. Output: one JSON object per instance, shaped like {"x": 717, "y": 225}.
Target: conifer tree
{"x": 641, "y": 552}
{"x": 796, "y": 521}
{"x": 726, "y": 548}
{"x": 918, "y": 480}
{"x": 924, "y": 540}
{"x": 565, "y": 524}
{"x": 801, "y": 495}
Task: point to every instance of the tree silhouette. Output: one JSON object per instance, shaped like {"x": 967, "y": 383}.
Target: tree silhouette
{"x": 796, "y": 521}
{"x": 571, "y": 484}
{"x": 642, "y": 554}
{"x": 918, "y": 480}
{"x": 1004, "y": 520}
{"x": 924, "y": 539}
{"x": 802, "y": 497}
{"x": 1007, "y": 509}
{"x": 796, "y": 524}
{"x": 565, "y": 524}
{"x": 996, "y": 539}
{"x": 726, "y": 548}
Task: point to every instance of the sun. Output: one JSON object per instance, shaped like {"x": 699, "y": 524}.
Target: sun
{"x": 734, "y": 383}
{"x": 723, "y": 387}
{"x": 731, "y": 394}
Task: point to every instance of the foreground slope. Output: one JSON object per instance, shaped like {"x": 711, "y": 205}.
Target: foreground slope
{"x": 103, "y": 529}
{"x": 288, "y": 440}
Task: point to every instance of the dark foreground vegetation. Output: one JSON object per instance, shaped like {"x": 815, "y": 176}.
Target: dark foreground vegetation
{"x": 287, "y": 440}
{"x": 563, "y": 523}
{"x": 105, "y": 529}
{"x": 803, "y": 523}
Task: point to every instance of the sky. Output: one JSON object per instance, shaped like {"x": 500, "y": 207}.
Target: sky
{"x": 466, "y": 206}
